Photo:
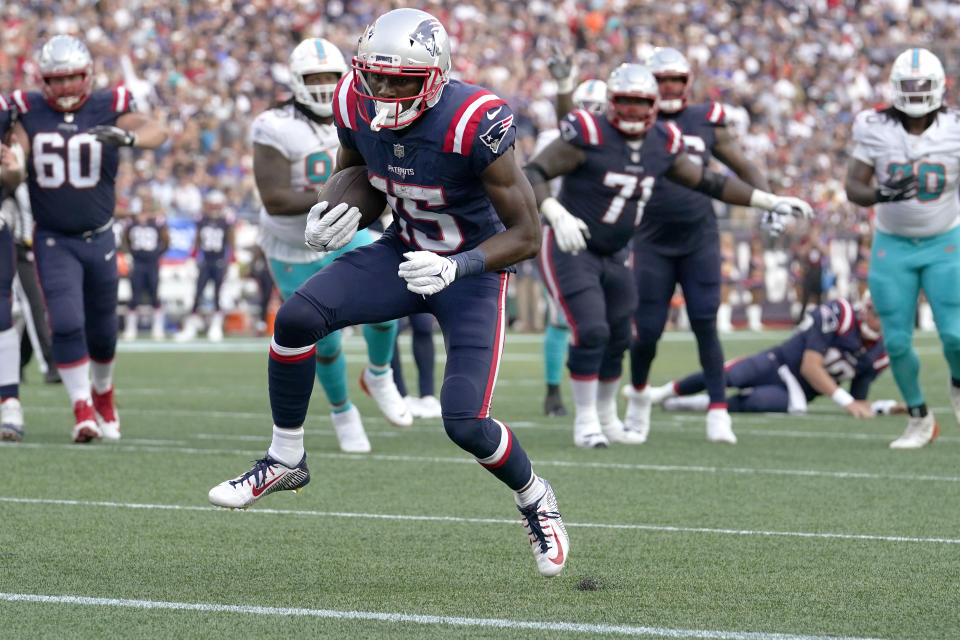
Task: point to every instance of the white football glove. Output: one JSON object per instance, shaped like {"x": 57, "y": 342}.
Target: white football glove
{"x": 784, "y": 205}
{"x": 571, "y": 232}
{"x": 427, "y": 273}
{"x": 331, "y": 231}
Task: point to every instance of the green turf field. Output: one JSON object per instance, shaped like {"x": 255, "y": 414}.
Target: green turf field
{"x": 809, "y": 528}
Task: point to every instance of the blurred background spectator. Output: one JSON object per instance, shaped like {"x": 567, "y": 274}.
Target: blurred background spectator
{"x": 794, "y": 72}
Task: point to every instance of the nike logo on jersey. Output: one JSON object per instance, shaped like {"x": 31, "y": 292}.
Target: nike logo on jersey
{"x": 493, "y": 114}
{"x": 107, "y": 257}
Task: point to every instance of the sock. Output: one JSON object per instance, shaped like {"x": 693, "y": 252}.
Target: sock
{"x": 554, "y": 349}
{"x": 534, "y": 490}
{"x": 76, "y": 380}
{"x": 290, "y": 372}
{"x": 9, "y": 357}
{"x": 584, "y": 392}
{"x": 101, "y": 374}
{"x": 380, "y": 341}
{"x": 397, "y": 367}
{"x": 918, "y": 411}
{"x": 287, "y": 445}
{"x": 607, "y": 396}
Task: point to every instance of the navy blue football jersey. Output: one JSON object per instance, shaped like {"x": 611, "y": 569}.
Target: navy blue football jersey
{"x": 612, "y": 187}
{"x": 832, "y": 330}
{"x": 144, "y": 239}
{"x": 70, "y": 173}
{"x": 677, "y": 218}
{"x": 212, "y": 238}
{"x": 430, "y": 169}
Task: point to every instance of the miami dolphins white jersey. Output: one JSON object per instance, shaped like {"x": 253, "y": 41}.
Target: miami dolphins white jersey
{"x": 933, "y": 156}
{"x": 311, "y": 150}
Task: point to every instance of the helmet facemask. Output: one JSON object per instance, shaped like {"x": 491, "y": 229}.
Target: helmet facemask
{"x": 918, "y": 82}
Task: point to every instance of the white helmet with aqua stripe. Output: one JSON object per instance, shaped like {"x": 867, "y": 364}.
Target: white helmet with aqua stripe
{"x": 918, "y": 82}
{"x": 315, "y": 55}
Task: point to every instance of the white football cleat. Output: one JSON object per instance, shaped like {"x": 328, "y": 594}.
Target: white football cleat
{"x": 719, "y": 427}
{"x": 637, "y": 417}
{"x": 696, "y": 402}
{"x": 11, "y": 420}
{"x": 429, "y": 407}
{"x": 587, "y": 433}
{"x": 266, "y": 476}
{"x": 614, "y": 429}
{"x": 547, "y": 535}
{"x": 919, "y": 433}
{"x": 215, "y": 332}
{"x": 105, "y": 411}
{"x": 189, "y": 330}
{"x": 350, "y": 433}
{"x": 384, "y": 392}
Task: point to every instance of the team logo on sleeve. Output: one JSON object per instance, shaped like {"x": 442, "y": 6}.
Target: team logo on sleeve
{"x": 425, "y": 34}
{"x": 493, "y": 137}
{"x": 567, "y": 131}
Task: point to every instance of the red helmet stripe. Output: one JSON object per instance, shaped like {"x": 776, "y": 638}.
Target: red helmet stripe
{"x": 846, "y": 316}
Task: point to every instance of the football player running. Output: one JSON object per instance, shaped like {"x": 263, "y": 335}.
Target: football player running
{"x": 837, "y": 342}
{"x": 678, "y": 243}
{"x": 11, "y": 412}
{"x": 442, "y": 152}
{"x": 294, "y": 152}
{"x": 904, "y": 163}
{"x": 71, "y": 135}
{"x": 610, "y": 164}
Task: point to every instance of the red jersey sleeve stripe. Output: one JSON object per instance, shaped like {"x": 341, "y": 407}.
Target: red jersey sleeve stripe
{"x": 121, "y": 99}
{"x": 716, "y": 113}
{"x": 589, "y": 124}
{"x": 465, "y": 121}
{"x": 20, "y": 99}
{"x": 3, "y": 103}
{"x": 846, "y": 317}
{"x": 345, "y": 103}
{"x": 675, "y": 139}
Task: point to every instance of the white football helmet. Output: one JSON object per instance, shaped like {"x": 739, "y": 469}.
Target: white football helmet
{"x": 918, "y": 82}
{"x": 626, "y": 83}
{"x": 65, "y": 56}
{"x": 402, "y": 42}
{"x": 315, "y": 55}
{"x": 666, "y": 62}
{"x": 591, "y": 96}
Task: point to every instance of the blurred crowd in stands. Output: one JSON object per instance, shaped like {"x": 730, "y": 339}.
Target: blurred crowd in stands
{"x": 794, "y": 72}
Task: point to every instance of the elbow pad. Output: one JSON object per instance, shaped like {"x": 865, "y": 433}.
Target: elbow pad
{"x": 711, "y": 183}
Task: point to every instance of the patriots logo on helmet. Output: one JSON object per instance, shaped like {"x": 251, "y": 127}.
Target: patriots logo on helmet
{"x": 425, "y": 34}
{"x": 493, "y": 136}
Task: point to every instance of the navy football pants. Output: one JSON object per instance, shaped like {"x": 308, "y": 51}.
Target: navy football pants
{"x": 362, "y": 287}
{"x": 79, "y": 280}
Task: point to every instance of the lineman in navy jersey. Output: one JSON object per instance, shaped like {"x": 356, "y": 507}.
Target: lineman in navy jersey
{"x": 442, "y": 151}
{"x": 836, "y": 342}
{"x": 610, "y": 165}
{"x": 11, "y": 172}
{"x": 71, "y": 137}
{"x": 678, "y": 242}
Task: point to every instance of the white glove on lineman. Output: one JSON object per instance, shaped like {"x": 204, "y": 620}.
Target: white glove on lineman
{"x": 571, "y": 232}
{"x": 333, "y": 230}
{"x": 785, "y": 205}
{"x": 427, "y": 273}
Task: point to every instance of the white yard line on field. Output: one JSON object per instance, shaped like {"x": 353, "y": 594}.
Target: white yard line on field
{"x": 451, "y": 621}
{"x": 510, "y": 522}
{"x": 248, "y": 453}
